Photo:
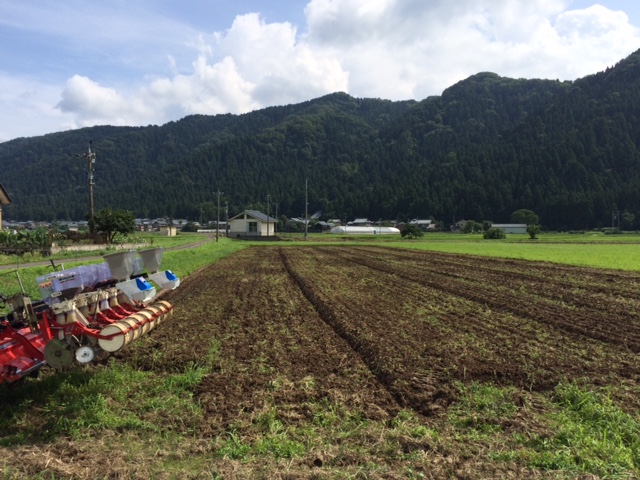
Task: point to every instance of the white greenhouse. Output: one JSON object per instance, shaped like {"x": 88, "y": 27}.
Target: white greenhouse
{"x": 351, "y": 230}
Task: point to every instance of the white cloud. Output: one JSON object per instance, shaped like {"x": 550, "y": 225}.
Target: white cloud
{"x": 251, "y": 65}
{"x": 27, "y": 106}
{"x": 592, "y": 38}
{"x": 283, "y": 69}
{"x": 93, "y": 104}
{"x": 210, "y": 89}
{"x": 394, "y": 49}
{"x": 412, "y": 48}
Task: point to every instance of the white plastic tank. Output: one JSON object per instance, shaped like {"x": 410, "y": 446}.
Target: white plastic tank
{"x": 121, "y": 264}
{"x": 152, "y": 258}
{"x": 166, "y": 280}
{"x": 137, "y": 289}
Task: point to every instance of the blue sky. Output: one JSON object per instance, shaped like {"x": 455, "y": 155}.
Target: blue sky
{"x": 68, "y": 64}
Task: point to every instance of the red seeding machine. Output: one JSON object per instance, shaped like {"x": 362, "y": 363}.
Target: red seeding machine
{"x": 85, "y": 313}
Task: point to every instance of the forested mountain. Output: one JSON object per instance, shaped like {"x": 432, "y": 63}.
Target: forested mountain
{"x": 486, "y": 147}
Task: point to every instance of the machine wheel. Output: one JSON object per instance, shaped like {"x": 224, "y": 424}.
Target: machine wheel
{"x": 85, "y": 355}
{"x": 59, "y": 354}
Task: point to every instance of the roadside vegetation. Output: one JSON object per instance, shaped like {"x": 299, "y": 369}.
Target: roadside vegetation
{"x": 141, "y": 239}
{"x": 182, "y": 262}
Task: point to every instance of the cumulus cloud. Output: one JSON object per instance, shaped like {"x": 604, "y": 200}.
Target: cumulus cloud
{"x": 394, "y": 49}
{"x": 210, "y": 89}
{"x": 282, "y": 68}
{"x": 251, "y": 65}
{"x": 410, "y": 48}
{"x": 92, "y": 104}
{"x": 28, "y": 107}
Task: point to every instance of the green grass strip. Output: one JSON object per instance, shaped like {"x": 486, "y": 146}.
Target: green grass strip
{"x": 594, "y": 436}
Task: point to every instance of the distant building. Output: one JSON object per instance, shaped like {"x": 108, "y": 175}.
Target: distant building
{"x": 361, "y": 222}
{"x": 423, "y": 225}
{"x": 252, "y": 223}
{"x": 4, "y": 200}
{"x": 511, "y": 227}
{"x": 357, "y": 230}
{"x": 458, "y": 226}
{"x": 321, "y": 226}
{"x": 295, "y": 223}
{"x": 168, "y": 230}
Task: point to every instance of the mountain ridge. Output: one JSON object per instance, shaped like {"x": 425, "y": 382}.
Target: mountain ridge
{"x": 484, "y": 148}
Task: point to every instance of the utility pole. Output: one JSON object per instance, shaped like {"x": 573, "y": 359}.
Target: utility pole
{"x": 275, "y": 225}
{"x": 268, "y": 198}
{"x": 226, "y": 225}
{"x": 91, "y": 161}
{"x": 306, "y": 205}
{"x": 218, "y": 193}
{"x": 615, "y": 216}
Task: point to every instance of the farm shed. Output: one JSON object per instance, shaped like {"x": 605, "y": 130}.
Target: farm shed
{"x": 361, "y": 222}
{"x": 4, "y": 200}
{"x": 423, "y": 225}
{"x": 511, "y": 227}
{"x": 320, "y": 227}
{"x": 168, "y": 230}
{"x": 252, "y": 223}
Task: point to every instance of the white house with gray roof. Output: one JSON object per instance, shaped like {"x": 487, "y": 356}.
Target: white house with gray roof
{"x": 252, "y": 223}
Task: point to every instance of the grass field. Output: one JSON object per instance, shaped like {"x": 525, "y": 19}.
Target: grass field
{"x": 599, "y": 255}
{"x": 591, "y": 249}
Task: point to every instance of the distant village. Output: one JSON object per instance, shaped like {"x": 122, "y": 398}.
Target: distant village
{"x": 172, "y": 226}
{"x": 251, "y": 223}
{"x": 142, "y": 224}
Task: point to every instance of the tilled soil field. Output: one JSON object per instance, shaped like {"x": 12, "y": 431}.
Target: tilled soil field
{"x": 303, "y": 339}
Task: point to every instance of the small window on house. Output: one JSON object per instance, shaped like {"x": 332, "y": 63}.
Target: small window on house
{"x": 253, "y": 227}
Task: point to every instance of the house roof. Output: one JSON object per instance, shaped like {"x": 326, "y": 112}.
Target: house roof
{"x": 507, "y": 225}
{"x": 417, "y": 221}
{"x": 4, "y": 196}
{"x": 257, "y": 215}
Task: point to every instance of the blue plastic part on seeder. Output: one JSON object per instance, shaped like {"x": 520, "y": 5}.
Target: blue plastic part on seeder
{"x": 170, "y": 276}
{"x": 143, "y": 285}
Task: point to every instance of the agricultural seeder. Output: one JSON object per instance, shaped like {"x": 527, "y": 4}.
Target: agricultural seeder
{"x": 85, "y": 313}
